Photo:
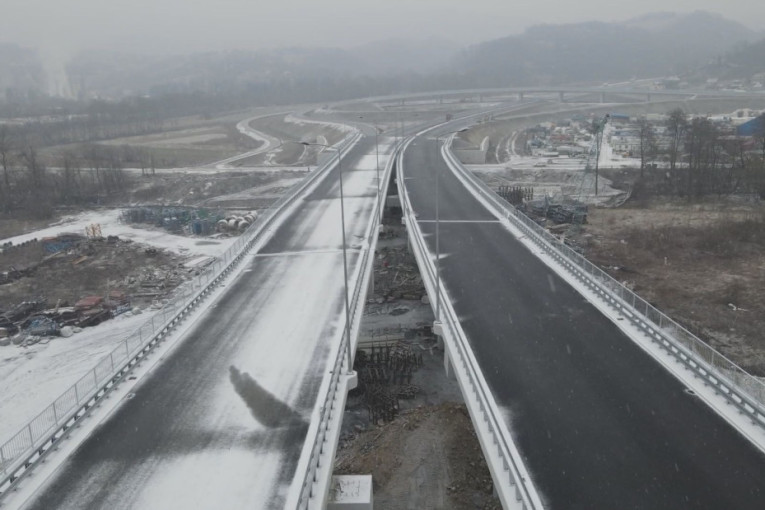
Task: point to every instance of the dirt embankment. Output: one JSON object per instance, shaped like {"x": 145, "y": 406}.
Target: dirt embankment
{"x": 702, "y": 263}
{"x": 87, "y": 267}
{"x": 427, "y": 458}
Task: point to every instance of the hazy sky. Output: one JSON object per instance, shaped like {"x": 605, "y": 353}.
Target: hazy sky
{"x": 65, "y": 26}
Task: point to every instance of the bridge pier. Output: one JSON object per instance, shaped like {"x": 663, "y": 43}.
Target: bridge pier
{"x": 560, "y": 97}
{"x": 520, "y": 96}
{"x": 438, "y": 330}
{"x": 602, "y": 97}
{"x": 448, "y": 367}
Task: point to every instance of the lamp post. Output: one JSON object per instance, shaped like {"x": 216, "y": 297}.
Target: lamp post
{"x": 345, "y": 256}
{"x": 437, "y": 323}
{"x": 377, "y": 168}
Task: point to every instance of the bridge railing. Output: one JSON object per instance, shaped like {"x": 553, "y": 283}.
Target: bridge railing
{"x": 741, "y": 388}
{"x": 511, "y": 479}
{"x": 35, "y": 438}
{"x": 313, "y": 489}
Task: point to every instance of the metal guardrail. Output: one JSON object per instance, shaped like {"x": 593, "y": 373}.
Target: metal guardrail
{"x": 35, "y": 439}
{"x": 742, "y": 389}
{"x": 339, "y": 368}
{"x": 480, "y": 402}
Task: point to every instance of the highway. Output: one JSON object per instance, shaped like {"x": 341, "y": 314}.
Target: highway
{"x": 599, "y": 423}
{"x": 222, "y": 421}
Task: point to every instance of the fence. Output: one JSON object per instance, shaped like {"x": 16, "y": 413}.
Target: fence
{"x": 35, "y": 439}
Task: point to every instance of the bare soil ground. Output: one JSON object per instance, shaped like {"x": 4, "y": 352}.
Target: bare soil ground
{"x": 426, "y": 455}
{"x": 427, "y": 458}
{"x": 296, "y": 131}
{"x": 89, "y": 267}
{"x": 10, "y": 227}
{"x": 203, "y": 188}
{"x": 187, "y": 145}
{"x": 702, "y": 263}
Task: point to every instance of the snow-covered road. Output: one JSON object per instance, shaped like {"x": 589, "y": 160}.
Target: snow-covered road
{"x": 222, "y": 420}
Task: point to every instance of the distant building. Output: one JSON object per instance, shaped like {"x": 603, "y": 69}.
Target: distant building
{"x": 670, "y": 83}
{"x": 753, "y": 127}
{"x": 620, "y": 118}
{"x": 625, "y": 144}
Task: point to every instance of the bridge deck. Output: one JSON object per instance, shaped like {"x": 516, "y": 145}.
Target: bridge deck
{"x": 599, "y": 422}
{"x": 221, "y": 423}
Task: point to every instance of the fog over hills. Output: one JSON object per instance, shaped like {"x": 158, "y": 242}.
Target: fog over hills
{"x": 652, "y": 45}
{"x": 656, "y": 44}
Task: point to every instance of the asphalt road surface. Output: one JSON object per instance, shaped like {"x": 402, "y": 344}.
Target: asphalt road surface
{"x": 222, "y": 421}
{"x": 601, "y": 425}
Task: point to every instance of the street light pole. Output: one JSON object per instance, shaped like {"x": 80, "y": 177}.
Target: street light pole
{"x": 438, "y": 247}
{"x": 349, "y": 357}
{"x": 377, "y": 168}
{"x": 380, "y": 195}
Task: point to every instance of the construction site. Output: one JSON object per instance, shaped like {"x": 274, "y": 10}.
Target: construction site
{"x": 405, "y": 423}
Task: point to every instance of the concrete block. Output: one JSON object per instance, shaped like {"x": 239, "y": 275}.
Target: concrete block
{"x": 350, "y": 492}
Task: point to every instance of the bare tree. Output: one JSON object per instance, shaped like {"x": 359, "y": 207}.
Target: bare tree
{"x": 69, "y": 188}
{"x": 647, "y": 143}
{"x": 705, "y": 159}
{"x": 35, "y": 167}
{"x": 677, "y": 123}
{"x": 759, "y": 137}
{"x": 6, "y": 147}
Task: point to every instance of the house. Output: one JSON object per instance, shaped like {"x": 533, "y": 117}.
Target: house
{"x": 753, "y": 127}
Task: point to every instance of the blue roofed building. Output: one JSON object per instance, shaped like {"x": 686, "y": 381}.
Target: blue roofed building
{"x": 754, "y": 127}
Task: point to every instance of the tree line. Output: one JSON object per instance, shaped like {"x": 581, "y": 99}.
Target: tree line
{"x": 87, "y": 174}
{"x": 703, "y": 158}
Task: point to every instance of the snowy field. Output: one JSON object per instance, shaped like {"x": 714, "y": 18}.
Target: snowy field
{"x": 109, "y": 219}
{"x": 34, "y": 376}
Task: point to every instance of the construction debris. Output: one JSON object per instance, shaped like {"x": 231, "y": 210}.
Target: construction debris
{"x": 568, "y": 211}
{"x": 77, "y": 282}
{"x": 385, "y": 375}
{"x": 516, "y": 195}
{"x": 396, "y": 276}
{"x": 181, "y": 220}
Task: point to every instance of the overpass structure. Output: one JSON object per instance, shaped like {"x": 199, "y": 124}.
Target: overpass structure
{"x": 582, "y": 394}
{"x": 243, "y": 376}
{"x": 245, "y": 410}
{"x": 563, "y": 91}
